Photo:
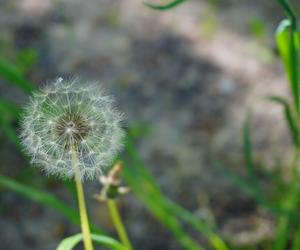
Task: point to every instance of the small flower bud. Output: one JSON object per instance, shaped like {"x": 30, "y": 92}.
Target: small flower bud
{"x": 111, "y": 184}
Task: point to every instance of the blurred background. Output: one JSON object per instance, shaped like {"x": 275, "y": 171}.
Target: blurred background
{"x": 185, "y": 79}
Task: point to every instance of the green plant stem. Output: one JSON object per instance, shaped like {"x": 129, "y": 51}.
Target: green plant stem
{"x": 87, "y": 241}
{"x": 115, "y": 215}
{"x": 296, "y": 240}
{"x": 290, "y": 203}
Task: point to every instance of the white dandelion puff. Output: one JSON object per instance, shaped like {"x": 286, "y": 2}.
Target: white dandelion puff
{"x": 71, "y": 115}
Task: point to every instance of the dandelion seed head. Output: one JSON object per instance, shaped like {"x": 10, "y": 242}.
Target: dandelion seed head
{"x": 68, "y": 116}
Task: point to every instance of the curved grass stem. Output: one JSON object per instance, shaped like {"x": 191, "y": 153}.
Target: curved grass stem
{"x": 115, "y": 215}
{"x": 85, "y": 228}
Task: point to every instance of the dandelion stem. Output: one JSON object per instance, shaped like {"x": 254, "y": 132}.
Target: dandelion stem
{"x": 87, "y": 241}
{"x": 115, "y": 215}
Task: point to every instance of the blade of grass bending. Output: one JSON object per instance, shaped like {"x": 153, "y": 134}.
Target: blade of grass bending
{"x": 164, "y": 7}
{"x": 178, "y": 211}
{"x": 291, "y": 122}
{"x": 286, "y": 7}
{"x": 10, "y": 73}
{"x": 294, "y": 40}
{"x": 152, "y": 196}
{"x": 70, "y": 242}
{"x": 147, "y": 193}
{"x": 44, "y": 199}
{"x": 186, "y": 216}
{"x": 287, "y": 38}
{"x": 150, "y": 199}
{"x": 147, "y": 186}
{"x": 152, "y": 190}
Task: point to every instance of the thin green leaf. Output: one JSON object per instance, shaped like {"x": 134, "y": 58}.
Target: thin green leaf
{"x": 195, "y": 222}
{"x": 285, "y": 222}
{"x": 166, "y": 6}
{"x": 70, "y": 242}
{"x": 40, "y": 197}
{"x": 287, "y": 8}
{"x": 165, "y": 210}
{"x": 287, "y": 39}
{"x": 10, "y": 73}
{"x": 156, "y": 207}
{"x": 282, "y": 234}
{"x": 296, "y": 241}
{"x": 247, "y": 146}
{"x": 291, "y": 121}
{"x": 44, "y": 199}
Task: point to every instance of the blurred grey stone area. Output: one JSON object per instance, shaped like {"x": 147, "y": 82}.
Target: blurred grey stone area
{"x": 190, "y": 75}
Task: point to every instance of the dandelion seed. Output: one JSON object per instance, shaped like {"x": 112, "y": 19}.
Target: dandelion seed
{"x": 70, "y": 115}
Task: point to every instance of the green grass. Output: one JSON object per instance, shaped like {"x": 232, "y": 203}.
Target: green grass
{"x": 282, "y": 200}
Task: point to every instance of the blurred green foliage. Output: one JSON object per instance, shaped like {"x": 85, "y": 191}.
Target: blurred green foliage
{"x": 257, "y": 28}
{"x": 283, "y": 202}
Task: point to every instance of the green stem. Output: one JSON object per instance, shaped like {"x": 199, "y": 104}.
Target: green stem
{"x": 291, "y": 202}
{"x": 296, "y": 242}
{"x": 85, "y": 228}
{"x": 115, "y": 215}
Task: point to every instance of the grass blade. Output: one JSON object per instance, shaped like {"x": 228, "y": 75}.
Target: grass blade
{"x": 291, "y": 121}
{"x": 70, "y": 242}
{"x": 290, "y": 202}
{"x": 156, "y": 207}
{"x": 247, "y": 146}
{"x": 296, "y": 242}
{"x": 43, "y": 198}
{"x": 13, "y": 75}
{"x": 287, "y": 39}
{"x": 189, "y": 218}
{"x": 166, "y": 6}
{"x": 286, "y": 6}
{"x": 146, "y": 188}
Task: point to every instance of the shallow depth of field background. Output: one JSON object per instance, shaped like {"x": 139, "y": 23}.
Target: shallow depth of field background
{"x": 185, "y": 79}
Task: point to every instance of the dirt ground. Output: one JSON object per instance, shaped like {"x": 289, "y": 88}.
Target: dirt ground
{"x": 190, "y": 75}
